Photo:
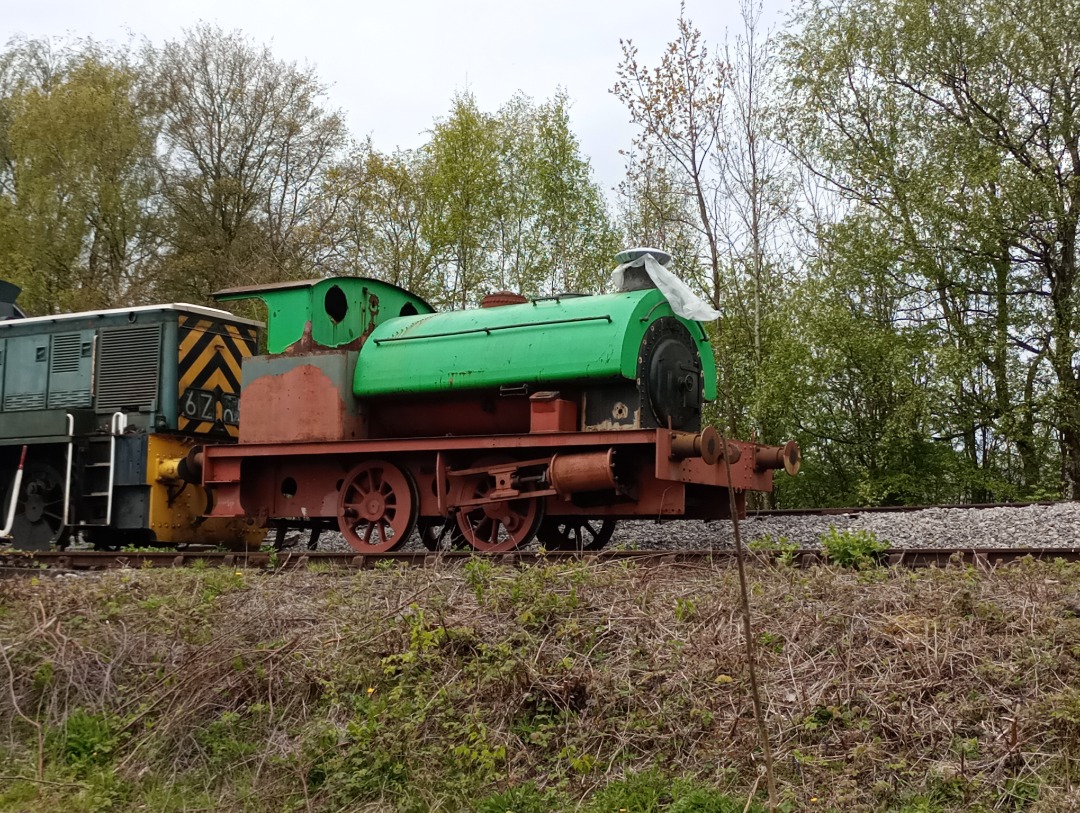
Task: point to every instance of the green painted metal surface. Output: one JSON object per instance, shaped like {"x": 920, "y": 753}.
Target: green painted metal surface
{"x": 569, "y": 339}
{"x": 340, "y": 309}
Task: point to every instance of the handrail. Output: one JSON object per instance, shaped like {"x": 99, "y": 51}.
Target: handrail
{"x": 116, "y": 426}
{"x": 489, "y": 330}
{"x": 66, "y": 518}
{"x": 9, "y": 523}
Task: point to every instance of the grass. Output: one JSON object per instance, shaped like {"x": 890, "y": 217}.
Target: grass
{"x": 568, "y": 687}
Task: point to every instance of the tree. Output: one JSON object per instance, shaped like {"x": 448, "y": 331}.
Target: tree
{"x": 957, "y": 125}
{"x": 377, "y": 228}
{"x": 77, "y": 186}
{"x": 678, "y": 107}
{"x": 247, "y": 147}
{"x": 653, "y": 209}
{"x": 708, "y": 182}
{"x": 571, "y": 217}
{"x": 462, "y": 187}
{"x": 510, "y": 204}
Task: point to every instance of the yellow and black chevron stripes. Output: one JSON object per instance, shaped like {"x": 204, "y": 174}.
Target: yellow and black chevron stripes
{"x": 210, "y": 353}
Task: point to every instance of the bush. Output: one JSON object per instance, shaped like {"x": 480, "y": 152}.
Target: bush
{"x": 858, "y": 549}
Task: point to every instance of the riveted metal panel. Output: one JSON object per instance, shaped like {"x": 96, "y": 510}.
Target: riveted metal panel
{"x": 128, "y": 368}
{"x": 26, "y": 373}
{"x": 71, "y": 365}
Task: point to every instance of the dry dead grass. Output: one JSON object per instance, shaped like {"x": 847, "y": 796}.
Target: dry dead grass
{"x": 883, "y": 690}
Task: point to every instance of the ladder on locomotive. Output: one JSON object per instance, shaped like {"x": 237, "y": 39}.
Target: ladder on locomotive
{"x": 98, "y": 477}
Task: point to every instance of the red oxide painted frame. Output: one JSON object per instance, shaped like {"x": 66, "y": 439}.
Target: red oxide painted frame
{"x": 291, "y": 480}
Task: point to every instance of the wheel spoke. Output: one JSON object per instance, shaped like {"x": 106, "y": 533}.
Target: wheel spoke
{"x": 378, "y": 507}
{"x": 494, "y": 527}
{"x": 574, "y": 533}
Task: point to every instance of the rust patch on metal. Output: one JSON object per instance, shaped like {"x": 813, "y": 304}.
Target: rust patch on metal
{"x": 301, "y": 404}
{"x": 501, "y": 298}
{"x": 586, "y": 471}
{"x": 307, "y": 346}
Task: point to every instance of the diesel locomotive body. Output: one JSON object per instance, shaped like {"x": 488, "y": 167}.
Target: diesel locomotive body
{"x": 97, "y": 411}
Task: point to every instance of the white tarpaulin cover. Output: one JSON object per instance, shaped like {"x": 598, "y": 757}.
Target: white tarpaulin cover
{"x": 683, "y": 301}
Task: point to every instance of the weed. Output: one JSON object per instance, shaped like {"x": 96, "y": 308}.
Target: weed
{"x": 858, "y": 549}
{"x": 772, "y": 641}
{"x": 478, "y": 575}
{"x": 85, "y": 741}
{"x": 685, "y": 609}
{"x": 652, "y": 792}
{"x": 783, "y": 549}
{"x": 527, "y": 798}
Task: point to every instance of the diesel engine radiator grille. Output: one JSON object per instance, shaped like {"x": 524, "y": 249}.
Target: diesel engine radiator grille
{"x": 129, "y": 364}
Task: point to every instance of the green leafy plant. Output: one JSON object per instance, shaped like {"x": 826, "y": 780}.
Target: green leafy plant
{"x": 783, "y": 549}
{"x": 84, "y": 741}
{"x": 685, "y": 609}
{"x": 527, "y": 798}
{"x": 858, "y": 549}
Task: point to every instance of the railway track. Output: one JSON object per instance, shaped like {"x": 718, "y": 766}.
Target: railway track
{"x": 53, "y": 562}
{"x": 884, "y": 509}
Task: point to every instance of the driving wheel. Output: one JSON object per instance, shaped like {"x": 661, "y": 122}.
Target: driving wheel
{"x": 575, "y": 533}
{"x": 377, "y": 507}
{"x": 499, "y": 526}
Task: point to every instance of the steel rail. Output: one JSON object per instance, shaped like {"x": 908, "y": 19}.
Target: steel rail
{"x": 35, "y": 562}
{"x": 765, "y": 513}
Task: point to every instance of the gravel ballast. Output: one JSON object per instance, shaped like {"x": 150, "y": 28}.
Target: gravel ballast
{"x": 1032, "y": 526}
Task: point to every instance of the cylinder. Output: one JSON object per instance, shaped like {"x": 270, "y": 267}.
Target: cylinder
{"x": 588, "y": 471}
{"x": 168, "y": 470}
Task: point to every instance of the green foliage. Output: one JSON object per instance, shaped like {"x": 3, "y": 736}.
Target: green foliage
{"x": 858, "y": 549}
{"x": 938, "y": 130}
{"x": 509, "y": 203}
{"x": 230, "y": 739}
{"x": 76, "y": 181}
{"x": 653, "y": 792}
{"x": 784, "y": 549}
{"x": 84, "y": 742}
{"x": 527, "y": 798}
{"x": 478, "y": 575}
{"x": 685, "y": 609}
{"x": 708, "y": 800}
{"x": 125, "y": 178}
{"x": 647, "y": 792}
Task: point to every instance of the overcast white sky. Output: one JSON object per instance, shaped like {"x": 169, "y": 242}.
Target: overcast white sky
{"x": 393, "y": 67}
